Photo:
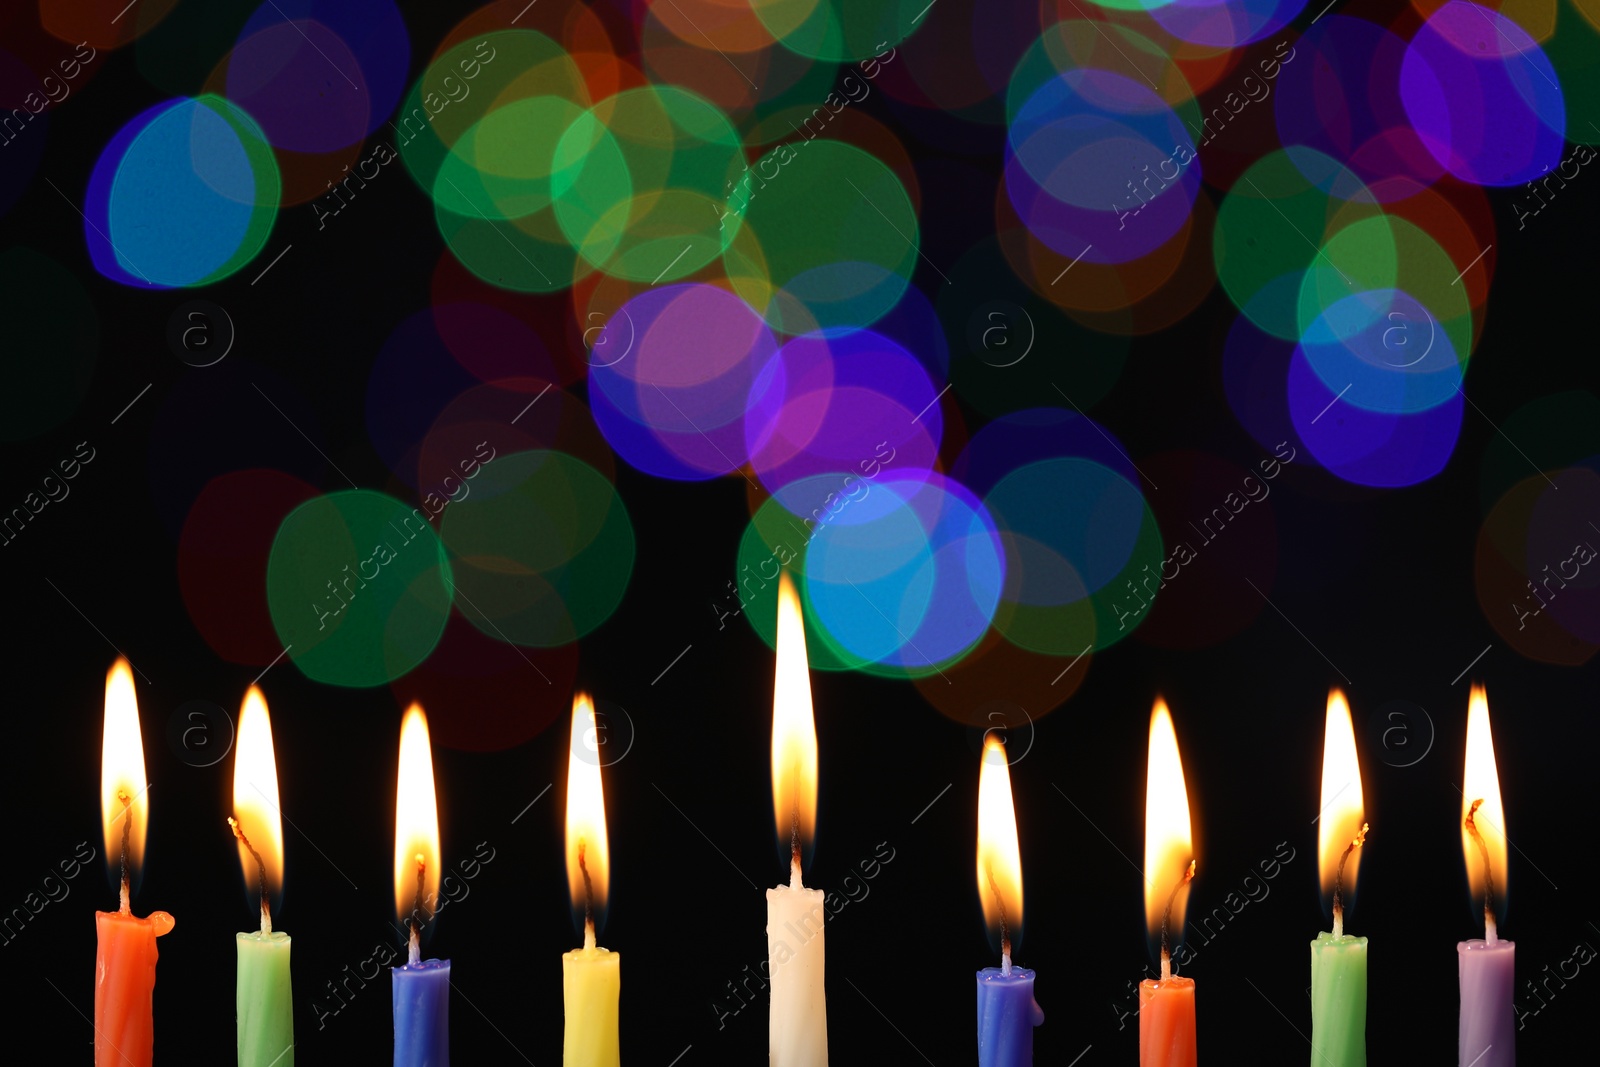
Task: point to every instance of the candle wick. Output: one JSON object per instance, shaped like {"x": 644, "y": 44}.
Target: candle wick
{"x": 1338, "y": 880}
{"x": 1166, "y": 920}
{"x": 414, "y": 955}
{"x": 1488, "y": 872}
{"x": 794, "y": 847}
{"x": 588, "y": 894}
{"x": 261, "y": 873}
{"x": 1005, "y": 928}
{"x": 127, "y": 831}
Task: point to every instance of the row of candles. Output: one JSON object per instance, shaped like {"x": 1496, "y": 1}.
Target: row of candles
{"x": 1006, "y": 1008}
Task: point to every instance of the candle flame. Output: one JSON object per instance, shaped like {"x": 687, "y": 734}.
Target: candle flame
{"x": 255, "y": 798}
{"x": 1481, "y": 781}
{"x": 1168, "y": 845}
{"x": 416, "y": 822}
{"x": 1341, "y": 816}
{"x": 794, "y": 730}
{"x": 588, "y": 853}
{"x": 999, "y": 856}
{"x": 124, "y": 806}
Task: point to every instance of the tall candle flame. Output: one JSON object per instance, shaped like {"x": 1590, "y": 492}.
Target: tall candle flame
{"x": 1168, "y": 844}
{"x": 794, "y": 732}
{"x": 257, "y": 815}
{"x": 124, "y": 805}
{"x": 1341, "y": 816}
{"x": 416, "y": 824}
{"x": 1481, "y": 782}
{"x": 999, "y": 855}
{"x": 588, "y": 852}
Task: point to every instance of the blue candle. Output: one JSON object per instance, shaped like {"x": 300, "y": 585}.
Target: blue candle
{"x": 422, "y": 1014}
{"x": 1007, "y": 1014}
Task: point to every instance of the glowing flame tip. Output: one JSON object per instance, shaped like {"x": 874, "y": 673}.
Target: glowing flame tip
{"x": 1169, "y": 859}
{"x": 124, "y": 806}
{"x": 588, "y": 848}
{"x": 1341, "y": 817}
{"x": 794, "y": 730}
{"x": 416, "y": 823}
{"x": 1483, "y": 818}
{"x": 999, "y": 869}
{"x": 257, "y": 820}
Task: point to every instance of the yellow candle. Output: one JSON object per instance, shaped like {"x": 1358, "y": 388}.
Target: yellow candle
{"x": 591, "y": 977}
{"x": 591, "y": 984}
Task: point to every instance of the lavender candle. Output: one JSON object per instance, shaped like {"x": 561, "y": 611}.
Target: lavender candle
{"x": 1487, "y": 1031}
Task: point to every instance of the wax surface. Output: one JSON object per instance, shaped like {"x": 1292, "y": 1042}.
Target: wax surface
{"x": 422, "y": 1014}
{"x": 124, "y": 987}
{"x": 265, "y": 1008}
{"x": 1007, "y": 1014}
{"x": 798, "y": 1034}
{"x": 1488, "y": 976}
{"x": 1339, "y": 1001}
{"x": 591, "y": 983}
{"x": 1166, "y": 1023}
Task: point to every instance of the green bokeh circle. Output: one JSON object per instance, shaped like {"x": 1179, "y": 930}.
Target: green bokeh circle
{"x": 1273, "y": 222}
{"x": 836, "y": 30}
{"x": 358, "y": 586}
{"x": 775, "y": 539}
{"x": 1088, "y": 623}
{"x": 640, "y": 181}
{"x": 832, "y": 228}
{"x": 543, "y": 549}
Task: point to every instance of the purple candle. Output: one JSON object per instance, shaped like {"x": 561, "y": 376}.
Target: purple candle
{"x": 1487, "y": 1035}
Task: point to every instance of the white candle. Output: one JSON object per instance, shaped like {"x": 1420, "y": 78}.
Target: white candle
{"x": 798, "y": 1036}
{"x": 798, "y": 1032}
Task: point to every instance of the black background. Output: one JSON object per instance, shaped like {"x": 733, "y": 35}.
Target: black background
{"x": 1378, "y": 585}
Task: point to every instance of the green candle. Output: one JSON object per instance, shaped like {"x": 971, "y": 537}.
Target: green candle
{"x": 265, "y": 1011}
{"x": 1339, "y": 961}
{"x": 1338, "y": 1000}
{"x": 266, "y": 1014}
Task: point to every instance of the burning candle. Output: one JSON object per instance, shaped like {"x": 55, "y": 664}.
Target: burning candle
{"x": 1487, "y": 968}
{"x": 797, "y": 1035}
{"x": 1339, "y": 961}
{"x": 421, "y": 987}
{"x": 125, "y": 954}
{"x": 1007, "y": 1012}
{"x": 1166, "y": 1006}
{"x": 591, "y": 977}
{"x": 264, "y": 1006}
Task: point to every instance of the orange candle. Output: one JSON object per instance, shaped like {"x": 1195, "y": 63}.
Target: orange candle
{"x": 1166, "y": 1022}
{"x": 125, "y": 957}
{"x": 1166, "y": 1006}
